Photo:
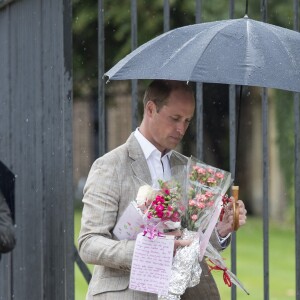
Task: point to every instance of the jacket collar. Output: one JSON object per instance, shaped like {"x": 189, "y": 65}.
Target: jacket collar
{"x": 139, "y": 164}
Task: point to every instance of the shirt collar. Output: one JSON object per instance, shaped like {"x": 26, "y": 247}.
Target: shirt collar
{"x": 147, "y": 147}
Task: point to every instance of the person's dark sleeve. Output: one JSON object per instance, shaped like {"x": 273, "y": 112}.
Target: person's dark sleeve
{"x": 7, "y": 233}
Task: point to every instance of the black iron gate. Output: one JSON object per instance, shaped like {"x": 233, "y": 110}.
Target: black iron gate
{"x": 167, "y": 6}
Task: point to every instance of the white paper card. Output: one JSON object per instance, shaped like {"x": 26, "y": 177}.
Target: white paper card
{"x": 204, "y": 238}
{"x": 151, "y": 264}
{"x": 129, "y": 224}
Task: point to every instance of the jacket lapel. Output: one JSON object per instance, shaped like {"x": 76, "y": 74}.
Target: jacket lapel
{"x": 178, "y": 163}
{"x": 139, "y": 164}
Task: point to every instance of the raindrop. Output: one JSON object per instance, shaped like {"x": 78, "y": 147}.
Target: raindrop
{"x": 248, "y": 94}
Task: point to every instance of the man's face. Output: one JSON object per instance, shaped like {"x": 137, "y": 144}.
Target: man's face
{"x": 169, "y": 124}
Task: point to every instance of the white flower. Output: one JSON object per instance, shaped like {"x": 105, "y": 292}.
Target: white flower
{"x": 145, "y": 192}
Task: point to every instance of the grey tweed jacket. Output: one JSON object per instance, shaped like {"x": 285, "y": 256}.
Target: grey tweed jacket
{"x": 112, "y": 183}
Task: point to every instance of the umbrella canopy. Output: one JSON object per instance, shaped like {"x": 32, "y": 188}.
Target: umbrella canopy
{"x": 7, "y": 186}
{"x": 236, "y": 51}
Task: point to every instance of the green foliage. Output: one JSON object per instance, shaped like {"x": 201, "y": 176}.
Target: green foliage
{"x": 285, "y": 139}
{"x": 85, "y": 49}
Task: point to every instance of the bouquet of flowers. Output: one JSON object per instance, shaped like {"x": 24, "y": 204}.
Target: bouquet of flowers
{"x": 195, "y": 205}
{"x": 162, "y": 208}
{"x": 206, "y": 186}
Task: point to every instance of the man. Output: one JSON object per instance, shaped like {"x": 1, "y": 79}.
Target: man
{"x": 114, "y": 180}
{"x": 7, "y": 234}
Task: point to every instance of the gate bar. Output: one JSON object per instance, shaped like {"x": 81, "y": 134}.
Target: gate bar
{"x": 134, "y": 82}
{"x": 297, "y": 168}
{"x": 101, "y": 88}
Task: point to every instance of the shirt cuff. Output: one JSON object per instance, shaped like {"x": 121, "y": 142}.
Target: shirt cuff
{"x": 222, "y": 240}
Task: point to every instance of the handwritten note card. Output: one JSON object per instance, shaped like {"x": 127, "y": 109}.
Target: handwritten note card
{"x": 129, "y": 225}
{"x": 151, "y": 264}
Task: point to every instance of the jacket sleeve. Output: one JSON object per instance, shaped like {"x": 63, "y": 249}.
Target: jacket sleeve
{"x": 102, "y": 196}
{"x": 7, "y": 233}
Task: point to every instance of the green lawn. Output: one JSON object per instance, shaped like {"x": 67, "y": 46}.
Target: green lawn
{"x": 249, "y": 263}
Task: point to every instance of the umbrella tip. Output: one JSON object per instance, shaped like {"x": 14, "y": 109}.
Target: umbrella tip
{"x": 246, "y": 16}
{"x": 246, "y": 9}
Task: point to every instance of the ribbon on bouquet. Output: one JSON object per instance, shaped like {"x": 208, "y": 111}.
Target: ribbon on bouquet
{"x": 151, "y": 232}
{"x": 226, "y": 277}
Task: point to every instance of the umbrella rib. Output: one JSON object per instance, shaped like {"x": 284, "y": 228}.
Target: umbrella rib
{"x": 274, "y": 30}
{"x": 210, "y": 41}
{"x": 178, "y": 51}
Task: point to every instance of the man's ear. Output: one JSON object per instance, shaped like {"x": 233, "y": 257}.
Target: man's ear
{"x": 150, "y": 108}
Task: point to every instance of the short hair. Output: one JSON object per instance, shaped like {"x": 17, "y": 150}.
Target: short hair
{"x": 159, "y": 91}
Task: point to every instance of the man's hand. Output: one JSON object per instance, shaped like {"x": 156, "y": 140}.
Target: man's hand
{"x": 178, "y": 243}
{"x": 225, "y": 226}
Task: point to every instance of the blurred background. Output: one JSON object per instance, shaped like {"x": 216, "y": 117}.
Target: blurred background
{"x": 118, "y": 123}
{"x": 117, "y": 42}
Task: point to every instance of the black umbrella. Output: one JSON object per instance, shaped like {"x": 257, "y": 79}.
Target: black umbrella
{"x": 7, "y": 186}
{"x": 236, "y": 51}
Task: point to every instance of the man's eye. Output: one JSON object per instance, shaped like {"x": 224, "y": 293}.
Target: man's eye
{"x": 175, "y": 119}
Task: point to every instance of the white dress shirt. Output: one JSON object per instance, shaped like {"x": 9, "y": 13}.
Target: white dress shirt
{"x": 159, "y": 166}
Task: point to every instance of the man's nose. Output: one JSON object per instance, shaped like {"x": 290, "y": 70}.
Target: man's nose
{"x": 181, "y": 128}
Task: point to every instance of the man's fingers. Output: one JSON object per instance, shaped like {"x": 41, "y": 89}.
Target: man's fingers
{"x": 182, "y": 243}
{"x": 176, "y": 233}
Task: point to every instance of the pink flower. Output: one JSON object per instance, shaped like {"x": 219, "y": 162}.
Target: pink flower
{"x": 159, "y": 208}
{"x": 200, "y": 205}
{"x": 201, "y": 171}
{"x": 200, "y": 197}
{"x": 168, "y": 214}
{"x": 210, "y": 203}
{"x": 192, "y": 202}
{"x": 208, "y": 194}
{"x": 159, "y": 199}
{"x": 210, "y": 170}
{"x": 219, "y": 175}
{"x": 167, "y": 191}
{"x": 160, "y": 214}
{"x": 194, "y": 217}
{"x": 170, "y": 208}
{"x": 175, "y": 216}
{"x": 182, "y": 208}
{"x": 211, "y": 180}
